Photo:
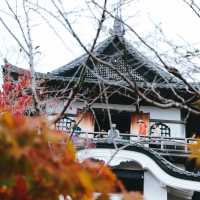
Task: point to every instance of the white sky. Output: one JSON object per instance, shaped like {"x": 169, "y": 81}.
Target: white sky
{"x": 177, "y": 21}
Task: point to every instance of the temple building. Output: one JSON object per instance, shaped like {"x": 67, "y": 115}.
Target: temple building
{"x": 125, "y": 106}
{"x": 155, "y": 161}
{"x": 159, "y": 167}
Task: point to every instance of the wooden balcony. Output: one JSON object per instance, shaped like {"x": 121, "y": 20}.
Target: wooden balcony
{"x": 166, "y": 146}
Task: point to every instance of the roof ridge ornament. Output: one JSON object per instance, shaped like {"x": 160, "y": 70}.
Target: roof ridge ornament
{"x": 118, "y": 27}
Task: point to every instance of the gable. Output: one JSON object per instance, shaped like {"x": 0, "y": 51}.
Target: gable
{"x": 125, "y": 58}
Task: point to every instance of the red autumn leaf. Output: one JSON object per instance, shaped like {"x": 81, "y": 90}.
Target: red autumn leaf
{"x": 7, "y": 87}
{"x": 12, "y": 97}
{"x": 20, "y": 189}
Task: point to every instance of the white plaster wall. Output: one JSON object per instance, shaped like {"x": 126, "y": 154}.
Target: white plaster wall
{"x": 177, "y": 130}
{"x": 158, "y": 113}
{"x": 53, "y": 107}
{"x": 153, "y": 188}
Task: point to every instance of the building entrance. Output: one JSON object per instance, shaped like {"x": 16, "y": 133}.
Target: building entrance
{"x": 121, "y": 119}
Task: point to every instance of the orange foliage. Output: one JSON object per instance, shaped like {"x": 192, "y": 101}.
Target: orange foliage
{"x": 29, "y": 171}
{"x": 195, "y": 151}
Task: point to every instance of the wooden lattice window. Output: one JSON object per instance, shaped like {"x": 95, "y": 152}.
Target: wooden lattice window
{"x": 160, "y": 129}
{"x": 65, "y": 124}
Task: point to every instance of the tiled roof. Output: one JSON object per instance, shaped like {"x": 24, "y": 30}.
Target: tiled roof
{"x": 133, "y": 65}
{"x": 127, "y": 59}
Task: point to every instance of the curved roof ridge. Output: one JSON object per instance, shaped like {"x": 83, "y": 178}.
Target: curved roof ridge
{"x": 82, "y": 58}
{"x": 152, "y": 66}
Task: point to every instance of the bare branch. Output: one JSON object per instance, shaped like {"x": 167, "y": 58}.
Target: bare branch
{"x": 81, "y": 79}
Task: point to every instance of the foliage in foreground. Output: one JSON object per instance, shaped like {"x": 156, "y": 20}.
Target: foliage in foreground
{"x": 30, "y": 171}
{"x": 195, "y": 151}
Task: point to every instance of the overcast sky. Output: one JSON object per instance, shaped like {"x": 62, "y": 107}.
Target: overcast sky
{"x": 178, "y": 23}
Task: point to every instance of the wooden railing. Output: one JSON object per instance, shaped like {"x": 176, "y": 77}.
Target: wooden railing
{"x": 163, "y": 145}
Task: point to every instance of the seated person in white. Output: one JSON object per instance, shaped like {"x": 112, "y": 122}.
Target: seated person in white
{"x": 113, "y": 133}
